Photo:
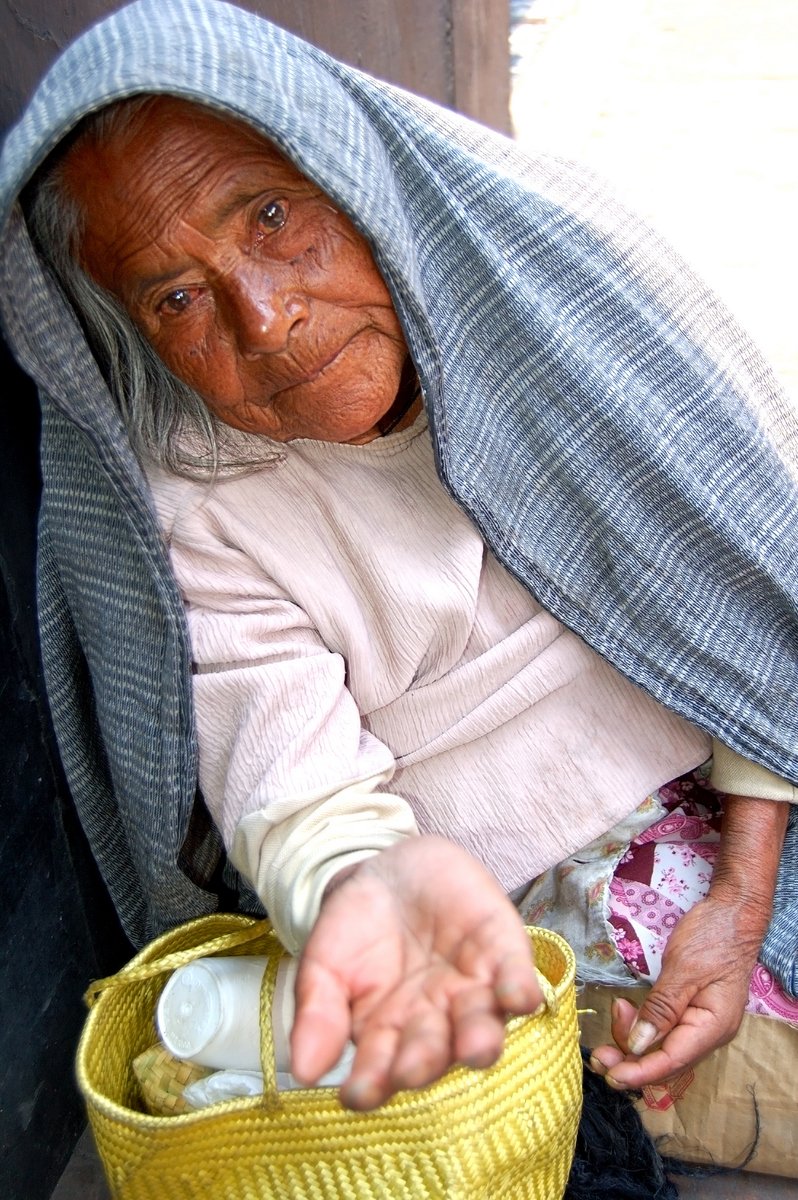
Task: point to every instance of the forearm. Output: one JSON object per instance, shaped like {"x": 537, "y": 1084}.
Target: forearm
{"x": 745, "y": 873}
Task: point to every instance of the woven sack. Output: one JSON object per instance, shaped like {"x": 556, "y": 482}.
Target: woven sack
{"x": 505, "y": 1133}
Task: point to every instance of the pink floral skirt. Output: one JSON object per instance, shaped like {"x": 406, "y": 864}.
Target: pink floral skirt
{"x": 664, "y": 872}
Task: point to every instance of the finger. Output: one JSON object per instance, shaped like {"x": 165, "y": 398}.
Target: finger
{"x": 496, "y": 949}
{"x": 663, "y": 1007}
{"x": 604, "y": 1058}
{"x": 424, "y": 1051}
{"x": 322, "y": 1024}
{"x": 516, "y": 985}
{"x": 682, "y": 1048}
{"x": 623, "y": 1016}
{"x": 369, "y": 1082}
{"x": 478, "y": 1029}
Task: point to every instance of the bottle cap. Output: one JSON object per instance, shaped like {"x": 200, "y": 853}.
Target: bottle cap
{"x": 189, "y": 1012}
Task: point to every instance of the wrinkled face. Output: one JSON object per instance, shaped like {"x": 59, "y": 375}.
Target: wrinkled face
{"x": 248, "y": 283}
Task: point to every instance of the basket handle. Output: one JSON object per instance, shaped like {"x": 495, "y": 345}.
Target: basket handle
{"x": 132, "y": 973}
{"x": 268, "y": 1063}
{"x": 178, "y": 958}
{"x": 550, "y": 1000}
{"x": 167, "y": 963}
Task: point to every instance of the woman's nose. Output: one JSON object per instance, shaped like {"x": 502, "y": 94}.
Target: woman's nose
{"x": 263, "y": 307}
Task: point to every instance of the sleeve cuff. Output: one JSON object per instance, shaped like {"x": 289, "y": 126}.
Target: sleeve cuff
{"x": 741, "y": 777}
{"x": 290, "y": 862}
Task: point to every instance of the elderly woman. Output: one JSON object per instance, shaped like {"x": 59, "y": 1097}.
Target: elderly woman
{"x": 304, "y": 294}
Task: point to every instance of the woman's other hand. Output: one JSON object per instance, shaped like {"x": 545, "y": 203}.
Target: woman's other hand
{"x": 417, "y": 956}
{"x": 698, "y": 1001}
{"x": 695, "y": 1006}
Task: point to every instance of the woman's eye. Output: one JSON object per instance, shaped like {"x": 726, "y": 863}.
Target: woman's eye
{"x": 176, "y": 302}
{"x": 272, "y": 216}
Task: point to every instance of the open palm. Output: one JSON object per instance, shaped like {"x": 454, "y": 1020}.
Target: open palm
{"x": 417, "y": 957}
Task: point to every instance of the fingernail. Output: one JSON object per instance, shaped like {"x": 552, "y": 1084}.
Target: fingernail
{"x": 596, "y": 1065}
{"x": 541, "y": 1008}
{"x": 615, "y": 1010}
{"x": 641, "y": 1036}
{"x": 614, "y": 1084}
{"x": 358, "y": 1093}
{"x": 509, "y": 994}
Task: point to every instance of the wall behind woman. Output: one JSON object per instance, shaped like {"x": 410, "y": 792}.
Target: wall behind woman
{"x": 57, "y": 926}
{"x": 455, "y": 52}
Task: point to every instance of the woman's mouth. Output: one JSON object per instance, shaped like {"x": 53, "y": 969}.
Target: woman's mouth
{"x": 310, "y": 377}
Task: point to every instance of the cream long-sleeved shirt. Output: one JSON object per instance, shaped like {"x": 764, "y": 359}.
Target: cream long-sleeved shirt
{"x": 365, "y": 667}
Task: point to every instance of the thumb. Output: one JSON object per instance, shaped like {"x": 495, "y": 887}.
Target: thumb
{"x": 662, "y": 1009}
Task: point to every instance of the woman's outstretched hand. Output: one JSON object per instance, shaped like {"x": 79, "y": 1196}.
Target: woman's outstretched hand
{"x": 416, "y": 956}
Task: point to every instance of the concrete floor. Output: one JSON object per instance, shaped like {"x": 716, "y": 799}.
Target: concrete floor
{"x": 83, "y": 1178}
{"x": 691, "y": 108}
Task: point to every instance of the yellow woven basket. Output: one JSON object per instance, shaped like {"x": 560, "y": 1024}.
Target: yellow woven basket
{"x": 506, "y": 1133}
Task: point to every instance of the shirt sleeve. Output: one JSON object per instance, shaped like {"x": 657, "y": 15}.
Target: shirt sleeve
{"x": 289, "y": 774}
{"x": 733, "y": 773}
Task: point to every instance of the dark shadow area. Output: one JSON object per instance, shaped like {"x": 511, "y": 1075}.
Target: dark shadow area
{"x": 58, "y": 929}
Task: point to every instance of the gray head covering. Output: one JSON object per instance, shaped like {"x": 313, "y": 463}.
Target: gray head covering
{"x": 615, "y": 437}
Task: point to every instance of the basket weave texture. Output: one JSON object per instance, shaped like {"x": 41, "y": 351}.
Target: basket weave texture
{"x": 505, "y": 1133}
{"x": 162, "y": 1080}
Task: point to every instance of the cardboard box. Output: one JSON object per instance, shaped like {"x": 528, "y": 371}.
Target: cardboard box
{"x": 707, "y": 1114}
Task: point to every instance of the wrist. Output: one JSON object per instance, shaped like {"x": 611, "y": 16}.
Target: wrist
{"x": 338, "y": 879}
{"x": 752, "y": 903}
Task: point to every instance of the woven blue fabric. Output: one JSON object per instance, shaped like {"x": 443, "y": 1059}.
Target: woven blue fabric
{"x": 617, "y": 440}
{"x": 780, "y": 949}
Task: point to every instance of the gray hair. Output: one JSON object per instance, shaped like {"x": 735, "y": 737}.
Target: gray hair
{"x": 167, "y": 421}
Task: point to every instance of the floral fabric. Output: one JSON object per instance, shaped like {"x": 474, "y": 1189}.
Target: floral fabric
{"x": 666, "y": 870}
{"x": 618, "y": 900}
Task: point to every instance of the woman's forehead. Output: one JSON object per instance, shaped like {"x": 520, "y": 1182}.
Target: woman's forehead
{"x": 173, "y": 130}
{"x": 174, "y": 162}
